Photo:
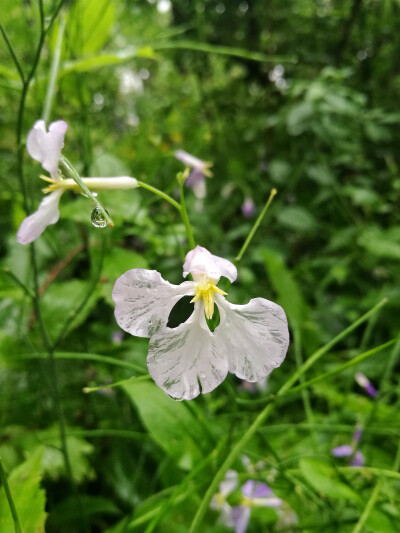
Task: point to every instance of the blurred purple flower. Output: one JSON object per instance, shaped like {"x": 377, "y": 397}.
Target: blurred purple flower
{"x": 365, "y": 383}
{"x": 248, "y": 207}
{"x": 350, "y": 450}
{"x": 255, "y": 494}
{"x": 200, "y": 169}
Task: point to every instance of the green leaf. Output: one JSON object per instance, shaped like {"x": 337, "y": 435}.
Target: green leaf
{"x": 170, "y": 423}
{"x": 29, "y": 498}
{"x": 324, "y": 480}
{"x": 383, "y": 244}
{"x": 63, "y": 298}
{"x": 297, "y": 218}
{"x": 284, "y": 283}
{"x": 116, "y": 263}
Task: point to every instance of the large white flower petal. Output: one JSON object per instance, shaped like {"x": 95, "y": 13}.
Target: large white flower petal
{"x": 46, "y": 147}
{"x": 182, "y": 357}
{"x": 47, "y": 213}
{"x": 256, "y": 336}
{"x": 200, "y": 262}
{"x": 143, "y": 300}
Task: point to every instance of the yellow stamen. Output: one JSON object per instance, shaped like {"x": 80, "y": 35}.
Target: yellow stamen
{"x": 206, "y": 290}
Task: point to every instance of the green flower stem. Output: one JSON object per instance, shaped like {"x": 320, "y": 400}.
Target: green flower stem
{"x": 255, "y": 227}
{"x": 266, "y": 412}
{"x": 185, "y": 218}
{"x": 161, "y": 194}
{"x": 342, "y": 367}
{"x": 71, "y": 171}
{"x": 87, "y": 390}
{"x": 368, "y": 508}
{"x": 3, "y": 478}
{"x": 55, "y": 65}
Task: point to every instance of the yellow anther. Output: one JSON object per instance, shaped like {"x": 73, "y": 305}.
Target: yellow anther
{"x": 206, "y": 290}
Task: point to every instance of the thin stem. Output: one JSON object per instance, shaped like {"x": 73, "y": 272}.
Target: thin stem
{"x": 368, "y": 508}
{"x": 13, "y": 55}
{"x": 161, "y": 194}
{"x": 87, "y": 390}
{"x": 3, "y": 478}
{"x": 255, "y": 227}
{"x": 266, "y": 412}
{"x": 185, "y": 218}
{"x": 26, "y": 289}
{"x": 55, "y": 65}
{"x": 342, "y": 367}
{"x": 71, "y": 171}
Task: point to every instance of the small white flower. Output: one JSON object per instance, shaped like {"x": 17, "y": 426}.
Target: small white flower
{"x": 45, "y": 147}
{"x": 250, "y": 340}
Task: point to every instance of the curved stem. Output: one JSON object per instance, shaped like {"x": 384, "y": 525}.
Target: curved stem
{"x": 161, "y": 194}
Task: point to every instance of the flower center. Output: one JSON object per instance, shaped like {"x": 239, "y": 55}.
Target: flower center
{"x": 206, "y": 289}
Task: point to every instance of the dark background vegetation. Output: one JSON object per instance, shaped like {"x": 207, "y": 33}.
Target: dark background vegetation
{"x": 301, "y": 96}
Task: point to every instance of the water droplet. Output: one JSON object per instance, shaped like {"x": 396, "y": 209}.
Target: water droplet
{"x": 202, "y": 375}
{"x": 97, "y": 218}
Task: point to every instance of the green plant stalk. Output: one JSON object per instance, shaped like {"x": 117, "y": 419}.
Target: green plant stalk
{"x": 71, "y": 171}
{"x": 368, "y": 508}
{"x": 88, "y": 357}
{"x": 185, "y": 218}
{"x": 3, "y": 477}
{"x": 266, "y": 412}
{"x": 55, "y": 65}
{"x": 161, "y": 194}
{"x": 255, "y": 227}
{"x": 13, "y": 54}
{"x": 349, "y": 364}
{"x": 87, "y": 390}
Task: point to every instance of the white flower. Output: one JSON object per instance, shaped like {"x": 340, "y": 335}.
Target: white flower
{"x": 250, "y": 341}
{"x": 45, "y": 147}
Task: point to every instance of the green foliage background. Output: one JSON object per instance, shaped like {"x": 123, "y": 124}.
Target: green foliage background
{"x": 300, "y": 96}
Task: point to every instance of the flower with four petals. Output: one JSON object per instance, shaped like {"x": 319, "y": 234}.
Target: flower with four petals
{"x": 250, "y": 340}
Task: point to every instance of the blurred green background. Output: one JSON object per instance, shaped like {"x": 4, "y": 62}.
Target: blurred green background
{"x": 300, "y": 96}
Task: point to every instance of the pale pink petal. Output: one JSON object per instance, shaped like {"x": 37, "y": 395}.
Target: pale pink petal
{"x": 47, "y": 213}
{"x": 256, "y": 336}
{"x": 143, "y": 300}
{"x": 46, "y": 147}
{"x": 200, "y": 262}
{"x": 182, "y": 359}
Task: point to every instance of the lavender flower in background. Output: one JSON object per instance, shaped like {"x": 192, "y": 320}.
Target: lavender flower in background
{"x": 365, "y": 383}
{"x": 350, "y": 450}
{"x": 200, "y": 169}
{"x": 255, "y": 494}
{"x": 248, "y": 207}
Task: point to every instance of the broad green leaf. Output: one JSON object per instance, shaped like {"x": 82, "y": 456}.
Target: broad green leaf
{"x": 379, "y": 243}
{"x": 297, "y": 218}
{"x": 324, "y": 480}
{"x": 63, "y": 298}
{"x": 169, "y": 422}
{"x": 284, "y": 283}
{"x": 29, "y": 498}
